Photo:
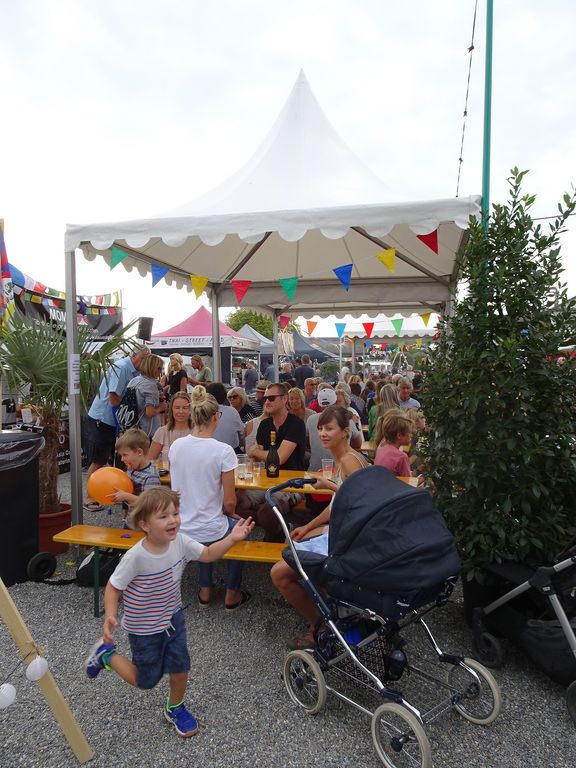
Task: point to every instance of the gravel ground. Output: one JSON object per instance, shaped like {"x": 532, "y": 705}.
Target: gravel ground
{"x": 246, "y": 718}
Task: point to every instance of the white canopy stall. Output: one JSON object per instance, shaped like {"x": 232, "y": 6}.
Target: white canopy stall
{"x": 301, "y": 207}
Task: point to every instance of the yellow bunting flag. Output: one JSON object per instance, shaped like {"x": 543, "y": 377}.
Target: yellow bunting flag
{"x": 198, "y": 284}
{"x": 387, "y": 258}
{"x": 426, "y": 318}
{"x": 418, "y": 342}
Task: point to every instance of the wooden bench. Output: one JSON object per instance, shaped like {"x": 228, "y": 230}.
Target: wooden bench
{"x": 99, "y": 537}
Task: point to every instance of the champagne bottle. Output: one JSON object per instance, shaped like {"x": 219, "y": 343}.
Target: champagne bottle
{"x": 272, "y": 462}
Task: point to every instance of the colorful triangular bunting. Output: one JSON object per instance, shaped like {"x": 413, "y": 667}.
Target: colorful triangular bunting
{"x": 418, "y": 342}
{"x": 344, "y": 274}
{"x": 289, "y": 285}
{"x": 340, "y": 329}
{"x": 431, "y": 240}
{"x": 118, "y": 255}
{"x": 368, "y": 327}
{"x": 158, "y": 273}
{"x": 284, "y": 320}
{"x": 240, "y": 287}
{"x": 387, "y": 258}
{"x": 311, "y": 324}
{"x": 199, "y": 282}
{"x": 368, "y": 344}
{"x": 398, "y": 323}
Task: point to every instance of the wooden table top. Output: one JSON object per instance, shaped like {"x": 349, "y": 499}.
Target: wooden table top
{"x": 264, "y": 483}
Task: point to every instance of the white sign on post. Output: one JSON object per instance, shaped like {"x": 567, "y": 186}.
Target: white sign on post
{"x": 73, "y": 375}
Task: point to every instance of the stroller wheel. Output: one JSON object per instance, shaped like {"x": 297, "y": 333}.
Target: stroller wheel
{"x": 399, "y": 738}
{"x": 571, "y": 700}
{"x": 304, "y": 681}
{"x": 488, "y": 649}
{"x": 479, "y": 701}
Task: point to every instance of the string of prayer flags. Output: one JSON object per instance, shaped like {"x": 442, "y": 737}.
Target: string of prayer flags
{"x": 368, "y": 343}
{"x": 81, "y": 305}
{"x": 398, "y": 323}
{"x": 289, "y": 285}
{"x": 344, "y": 274}
{"x": 387, "y": 258}
{"x": 425, "y": 318}
{"x": 418, "y": 342}
{"x": 340, "y": 329}
{"x": 431, "y": 240}
{"x": 311, "y": 324}
{"x": 199, "y": 282}
{"x": 158, "y": 273}
{"x": 368, "y": 327}
{"x": 118, "y": 255}
{"x": 240, "y": 288}
{"x": 284, "y": 320}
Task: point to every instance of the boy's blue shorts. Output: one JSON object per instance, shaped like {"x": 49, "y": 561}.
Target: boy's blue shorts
{"x": 163, "y": 653}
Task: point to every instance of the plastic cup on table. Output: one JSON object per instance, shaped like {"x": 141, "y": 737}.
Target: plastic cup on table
{"x": 257, "y": 471}
{"x": 242, "y": 467}
{"x": 328, "y": 469}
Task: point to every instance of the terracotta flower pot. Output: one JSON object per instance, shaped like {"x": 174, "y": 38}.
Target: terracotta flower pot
{"x": 51, "y": 524}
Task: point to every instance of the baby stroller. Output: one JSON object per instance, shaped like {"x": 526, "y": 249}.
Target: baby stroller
{"x": 391, "y": 560}
{"x": 537, "y": 612}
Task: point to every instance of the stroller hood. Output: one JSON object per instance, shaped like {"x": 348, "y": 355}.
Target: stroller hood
{"x": 386, "y": 539}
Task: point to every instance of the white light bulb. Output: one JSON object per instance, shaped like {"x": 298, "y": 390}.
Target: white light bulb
{"x": 7, "y": 695}
{"x": 37, "y": 668}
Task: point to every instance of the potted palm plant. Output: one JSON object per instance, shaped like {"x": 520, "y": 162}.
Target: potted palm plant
{"x": 35, "y": 355}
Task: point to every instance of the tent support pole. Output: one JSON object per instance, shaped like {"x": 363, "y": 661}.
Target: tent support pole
{"x": 73, "y": 391}
{"x": 340, "y": 354}
{"x": 216, "y": 354}
{"x": 231, "y": 275}
{"x": 402, "y": 257}
{"x": 275, "y": 351}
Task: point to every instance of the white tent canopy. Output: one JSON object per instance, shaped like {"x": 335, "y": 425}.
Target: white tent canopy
{"x": 302, "y": 206}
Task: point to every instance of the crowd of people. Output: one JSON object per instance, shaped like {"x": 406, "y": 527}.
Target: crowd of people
{"x": 197, "y": 428}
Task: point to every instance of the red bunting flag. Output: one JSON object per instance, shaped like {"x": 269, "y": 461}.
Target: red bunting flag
{"x": 284, "y": 320}
{"x": 311, "y": 324}
{"x": 368, "y": 327}
{"x": 240, "y": 287}
{"x": 431, "y": 240}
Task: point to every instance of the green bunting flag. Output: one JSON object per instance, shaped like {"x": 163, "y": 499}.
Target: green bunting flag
{"x": 398, "y": 323}
{"x": 117, "y": 256}
{"x": 289, "y": 285}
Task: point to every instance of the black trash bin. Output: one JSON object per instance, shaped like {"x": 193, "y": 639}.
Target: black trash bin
{"x": 19, "y": 503}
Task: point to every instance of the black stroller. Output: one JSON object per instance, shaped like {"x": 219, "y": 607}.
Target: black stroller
{"x": 390, "y": 561}
{"x": 537, "y": 612}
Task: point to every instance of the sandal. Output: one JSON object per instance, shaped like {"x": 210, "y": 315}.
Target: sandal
{"x": 245, "y": 597}
{"x": 202, "y": 603}
{"x": 302, "y": 642}
{"x": 92, "y": 506}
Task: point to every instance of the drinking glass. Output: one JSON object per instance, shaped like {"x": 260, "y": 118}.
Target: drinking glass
{"x": 242, "y": 465}
{"x": 328, "y": 469}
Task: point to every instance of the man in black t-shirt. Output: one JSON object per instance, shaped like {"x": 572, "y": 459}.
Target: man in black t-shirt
{"x": 291, "y": 445}
{"x": 303, "y": 372}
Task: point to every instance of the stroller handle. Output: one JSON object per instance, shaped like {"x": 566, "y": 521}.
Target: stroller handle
{"x": 298, "y": 482}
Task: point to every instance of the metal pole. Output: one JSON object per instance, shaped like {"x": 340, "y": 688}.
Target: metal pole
{"x": 275, "y": 350}
{"x": 487, "y": 114}
{"x": 340, "y": 353}
{"x": 73, "y": 393}
{"x": 216, "y": 357}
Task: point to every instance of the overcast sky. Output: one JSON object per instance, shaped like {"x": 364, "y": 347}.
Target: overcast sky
{"x": 120, "y": 109}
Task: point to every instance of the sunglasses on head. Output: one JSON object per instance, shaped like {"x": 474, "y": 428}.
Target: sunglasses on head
{"x": 271, "y": 397}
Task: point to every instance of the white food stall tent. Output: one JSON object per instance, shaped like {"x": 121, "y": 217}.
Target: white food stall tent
{"x": 301, "y": 207}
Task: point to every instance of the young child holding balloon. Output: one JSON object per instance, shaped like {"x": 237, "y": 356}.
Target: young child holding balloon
{"x": 132, "y": 448}
{"x": 148, "y": 579}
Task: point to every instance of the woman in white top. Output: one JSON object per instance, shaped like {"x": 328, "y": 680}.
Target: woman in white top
{"x": 178, "y": 424}
{"x": 202, "y": 471}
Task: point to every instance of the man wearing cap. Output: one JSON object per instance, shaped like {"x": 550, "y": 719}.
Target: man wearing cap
{"x": 204, "y": 375}
{"x": 257, "y": 400}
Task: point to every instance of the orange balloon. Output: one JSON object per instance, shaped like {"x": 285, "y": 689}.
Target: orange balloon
{"x": 108, "y": 480}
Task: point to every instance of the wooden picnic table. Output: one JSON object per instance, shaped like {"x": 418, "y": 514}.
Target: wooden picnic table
{"x": 264, "y": 483}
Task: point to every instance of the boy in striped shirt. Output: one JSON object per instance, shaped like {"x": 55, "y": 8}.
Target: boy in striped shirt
{"x": 148, "y": 579}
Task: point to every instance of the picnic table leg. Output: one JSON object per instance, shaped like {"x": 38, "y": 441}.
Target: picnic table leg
{"x": 96, "y": 581}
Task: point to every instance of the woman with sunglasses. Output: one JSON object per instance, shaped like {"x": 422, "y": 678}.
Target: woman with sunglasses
{"x": 238, "y": 399}
{"x": 178, "y": 424}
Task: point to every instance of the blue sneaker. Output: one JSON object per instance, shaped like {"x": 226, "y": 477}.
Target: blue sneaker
{"x": 94, "y": 663}
{"x": 184, "y": 722}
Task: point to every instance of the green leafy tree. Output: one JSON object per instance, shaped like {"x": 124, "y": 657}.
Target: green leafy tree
{"x": 261, "y": 323}
{"x": 501, "y": 409}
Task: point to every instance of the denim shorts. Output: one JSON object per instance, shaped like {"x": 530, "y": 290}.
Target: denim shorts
{"x": 163, "y": 653}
